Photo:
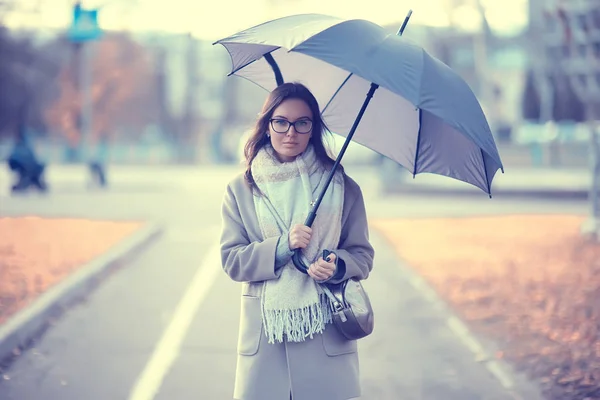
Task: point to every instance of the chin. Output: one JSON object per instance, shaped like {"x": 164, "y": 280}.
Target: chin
{"x": 288, "y": 154}
{"x": 292, "y": 153}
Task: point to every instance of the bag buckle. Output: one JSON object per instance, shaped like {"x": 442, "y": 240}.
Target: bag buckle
{"x": 337, "y": 306}
{"x": 339, "y": 310}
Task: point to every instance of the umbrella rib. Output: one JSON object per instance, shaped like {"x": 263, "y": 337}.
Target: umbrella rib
{"x": 418, "y": 143}
{"x": 487, "y": 180}
{"x": 336, "y": 92}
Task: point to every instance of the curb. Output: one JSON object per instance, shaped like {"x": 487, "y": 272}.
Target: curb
{"x": 516, "y": 384}
{"x": 567, "y": 194}
{"x": 28, "y": 323}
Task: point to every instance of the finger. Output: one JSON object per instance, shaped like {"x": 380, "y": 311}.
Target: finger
{"x": 301, "y": 228}
{"x": 296, "y": 243}
{"x": 315, "y": 276}
{"x": 304, "y": 235}
{"x": 298, "y": 238}
{"x": 331, "y": 257}
{"x": 325, "y": 273}
{"x": 305, "y": 228}
{"x": 319, "y": 274}
{"x": 297, "y": 234}
{"x": 324, "y": 265}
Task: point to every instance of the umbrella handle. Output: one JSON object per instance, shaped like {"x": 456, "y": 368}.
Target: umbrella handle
{"x": 297, "y": 260}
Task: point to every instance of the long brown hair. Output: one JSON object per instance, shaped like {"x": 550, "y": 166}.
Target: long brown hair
{"x": 259, "y": 139}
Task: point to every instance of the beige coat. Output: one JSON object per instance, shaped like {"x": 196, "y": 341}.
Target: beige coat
{"x": 323, "y": 368}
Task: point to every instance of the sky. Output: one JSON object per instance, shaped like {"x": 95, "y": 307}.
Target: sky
{"x": 215, "y": 19}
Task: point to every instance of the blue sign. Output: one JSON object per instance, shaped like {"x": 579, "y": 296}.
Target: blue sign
{"x": 85, "y": 25}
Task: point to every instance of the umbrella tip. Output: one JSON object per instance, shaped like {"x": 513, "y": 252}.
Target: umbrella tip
{"x": 401, "y": 30}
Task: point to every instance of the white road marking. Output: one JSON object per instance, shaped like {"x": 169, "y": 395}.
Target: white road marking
{"x": 459, "y": 328}
{"x": 169, "y": 346}
{"x": 499, "y": 373}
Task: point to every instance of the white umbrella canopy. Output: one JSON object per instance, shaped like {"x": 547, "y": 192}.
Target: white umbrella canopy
{"x": 422, "y": 114}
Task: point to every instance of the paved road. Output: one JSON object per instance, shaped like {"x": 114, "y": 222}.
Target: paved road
{"x": 115, "y": 341}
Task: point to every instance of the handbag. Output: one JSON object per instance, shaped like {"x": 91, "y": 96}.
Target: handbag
{"x": 351, "y": 307}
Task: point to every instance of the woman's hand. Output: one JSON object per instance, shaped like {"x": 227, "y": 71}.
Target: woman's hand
{"x": 299, "y": 236}
{"x": 321, "y": 269}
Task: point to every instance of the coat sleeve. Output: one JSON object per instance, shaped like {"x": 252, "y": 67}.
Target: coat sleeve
{"x": 242, "y": 260}
{"x": 354, "y": 253}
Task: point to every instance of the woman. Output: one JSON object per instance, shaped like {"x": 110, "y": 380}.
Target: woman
{"x": 287, "y": 346}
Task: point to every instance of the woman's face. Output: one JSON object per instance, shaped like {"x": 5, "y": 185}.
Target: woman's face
{"x": 290, "y": 140}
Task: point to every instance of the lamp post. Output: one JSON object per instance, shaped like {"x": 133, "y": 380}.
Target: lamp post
{"x": 83, "y": 30}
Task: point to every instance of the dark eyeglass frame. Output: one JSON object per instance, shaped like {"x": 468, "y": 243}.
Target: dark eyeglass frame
{"x": 290, "y": 124}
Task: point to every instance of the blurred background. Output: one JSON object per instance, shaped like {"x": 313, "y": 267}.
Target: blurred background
{"x": 122, "y": 110}
{"x": 143, "y": 82}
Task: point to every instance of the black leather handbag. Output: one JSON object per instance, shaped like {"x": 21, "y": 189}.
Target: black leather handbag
{"x": 351, "y": 307}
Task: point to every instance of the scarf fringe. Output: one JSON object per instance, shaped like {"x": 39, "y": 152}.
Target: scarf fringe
{"x": 299, "y": 324}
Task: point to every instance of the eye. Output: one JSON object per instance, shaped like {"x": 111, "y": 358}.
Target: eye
{"x": 302, "y": 124}
{"x": 280, "y": 122}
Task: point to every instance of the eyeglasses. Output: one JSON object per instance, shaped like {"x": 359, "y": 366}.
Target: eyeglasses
{"x": 283, "y": 125}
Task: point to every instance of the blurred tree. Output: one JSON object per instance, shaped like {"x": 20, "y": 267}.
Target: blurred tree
{"x": 26, "y": 73}
{"x": 122, "y": 92}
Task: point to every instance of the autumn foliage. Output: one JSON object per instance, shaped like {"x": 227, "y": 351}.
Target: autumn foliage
{"x": 530, "y": 282}
{"x": 122, "y": 85}
{"x": 41, "y": 252}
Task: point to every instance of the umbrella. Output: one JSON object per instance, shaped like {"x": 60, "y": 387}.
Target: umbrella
{"x": 422, "y": 114}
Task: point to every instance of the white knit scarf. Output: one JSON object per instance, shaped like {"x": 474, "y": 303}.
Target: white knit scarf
{"x": 294, "y": 306}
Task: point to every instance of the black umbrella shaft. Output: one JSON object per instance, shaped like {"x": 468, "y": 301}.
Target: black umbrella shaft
{"x": 313, "y": 213}
{"x": 296, "y": 258}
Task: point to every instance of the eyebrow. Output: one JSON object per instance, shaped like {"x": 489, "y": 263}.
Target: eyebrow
{"x": 282, "y": 117}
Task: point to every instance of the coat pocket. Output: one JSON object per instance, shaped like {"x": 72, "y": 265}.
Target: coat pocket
{"x": 335, "y": 344}
{"x": 250, "y": 326}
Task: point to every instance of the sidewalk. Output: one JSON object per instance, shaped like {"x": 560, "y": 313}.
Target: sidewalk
{"x": 412, "y": 352}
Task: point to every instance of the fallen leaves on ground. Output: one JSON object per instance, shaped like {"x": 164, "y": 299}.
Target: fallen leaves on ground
{"x": 36, "y": 253}
{"x": 530, "y": 282}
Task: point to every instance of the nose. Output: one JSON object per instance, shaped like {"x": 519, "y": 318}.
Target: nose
{"x": 292, "y": 128}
